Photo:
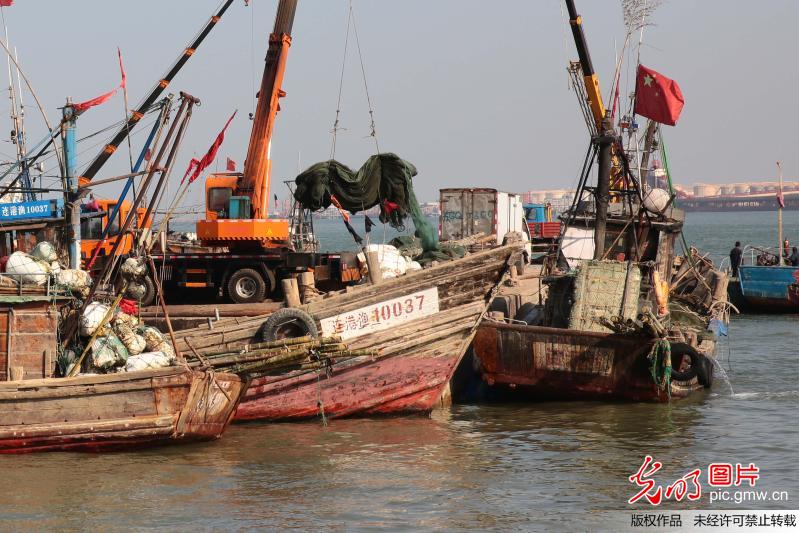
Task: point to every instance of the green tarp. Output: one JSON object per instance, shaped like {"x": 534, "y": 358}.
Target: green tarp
{"x": 385, "y": 180}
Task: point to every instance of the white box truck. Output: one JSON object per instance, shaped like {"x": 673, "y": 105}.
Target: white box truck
{"x": 466, "y": 212}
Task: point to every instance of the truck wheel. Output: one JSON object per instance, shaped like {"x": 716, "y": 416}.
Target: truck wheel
{"x": 149, "y": 293}
{"x": 246, "y": 286}
{"x": 288, "y": 323}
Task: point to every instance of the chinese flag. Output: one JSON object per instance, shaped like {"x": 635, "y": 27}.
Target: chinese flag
{"x": 231, "y": 165}
{"x": 657, "y": 97}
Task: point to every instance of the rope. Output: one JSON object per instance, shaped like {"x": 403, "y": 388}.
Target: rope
{"x": 660, "y": 365}
{"x": 335, "y": 129}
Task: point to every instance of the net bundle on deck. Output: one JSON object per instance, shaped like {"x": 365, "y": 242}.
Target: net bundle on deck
{"x": 384, "y": 180}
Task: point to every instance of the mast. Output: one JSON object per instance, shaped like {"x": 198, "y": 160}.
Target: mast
{"x": 605, "y": 135}
{"x": 780, "y": 200}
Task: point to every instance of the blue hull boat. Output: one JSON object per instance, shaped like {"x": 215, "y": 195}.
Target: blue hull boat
{"x": 766, "y": 289}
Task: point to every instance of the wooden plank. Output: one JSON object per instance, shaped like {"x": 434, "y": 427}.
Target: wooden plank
{"x": 65, "y": 430}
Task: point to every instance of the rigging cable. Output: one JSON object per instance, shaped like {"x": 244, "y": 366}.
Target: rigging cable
{"x": 373, "y": 132}
{"x": 336, "y": 128}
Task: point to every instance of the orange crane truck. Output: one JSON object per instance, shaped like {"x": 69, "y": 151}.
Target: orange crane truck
{"x": 248, "y": 252}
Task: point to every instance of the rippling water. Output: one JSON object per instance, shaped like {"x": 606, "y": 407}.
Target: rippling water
{"x": 509, "y": 466}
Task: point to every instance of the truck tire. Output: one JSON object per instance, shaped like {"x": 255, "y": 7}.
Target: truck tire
{"x": 246, "y": 286}
{"x": 288, "y": 323}
{"x": 149, "y": 293}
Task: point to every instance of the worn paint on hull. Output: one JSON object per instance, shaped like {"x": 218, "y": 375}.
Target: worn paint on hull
{"x": 387, "y": 386}
{"x": 765, "y": 289}
{"x": 550, "y": 363}
{"x": 102, "y": 412}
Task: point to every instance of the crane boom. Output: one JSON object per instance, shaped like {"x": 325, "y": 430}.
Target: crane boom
{"x": 589, "y": 76}
{"x": 258, "y": 166}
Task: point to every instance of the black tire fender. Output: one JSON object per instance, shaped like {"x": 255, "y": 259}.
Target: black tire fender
{"x": 301, "y": 323}
{"x": 701, "y": 366}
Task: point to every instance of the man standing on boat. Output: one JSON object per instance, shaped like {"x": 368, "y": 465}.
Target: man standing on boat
{"x": 735, "y": 258}
{"x": 793, "y": 260}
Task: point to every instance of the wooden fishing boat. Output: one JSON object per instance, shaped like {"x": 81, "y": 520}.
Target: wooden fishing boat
{"x": 95, "y": 412}
{"x": 123, "y": 410}
{"x": 419, "y": 324}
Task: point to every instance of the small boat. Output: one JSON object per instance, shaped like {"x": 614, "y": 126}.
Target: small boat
{"x": 112, "y": 411}
{"x": 419, "y": 325}
{"x": 97, "y": 411}
{"x": 764, "y": 288}
{"x": 765, "y": 283}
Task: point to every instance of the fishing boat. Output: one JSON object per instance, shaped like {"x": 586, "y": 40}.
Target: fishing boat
{"x": 123, "y": 410}
{"x": 417, "y": 326}
{"x": 623, "y": 318}
{"x": 766, "y": 282}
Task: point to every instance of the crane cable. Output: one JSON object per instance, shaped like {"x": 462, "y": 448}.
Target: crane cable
{"x": 336, "y": 124}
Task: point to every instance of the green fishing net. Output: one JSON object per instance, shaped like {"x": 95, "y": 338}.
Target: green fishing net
{"x": 384, "y": 179}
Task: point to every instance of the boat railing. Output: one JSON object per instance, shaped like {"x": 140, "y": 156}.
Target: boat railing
{"x": 751, "y": 253}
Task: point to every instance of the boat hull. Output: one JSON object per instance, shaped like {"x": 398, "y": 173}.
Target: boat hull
{"x": 414, "y": 358}
{"x": 765, "y": 289}
{"x": 552, "y": 364}
{"x": 389, "y": 386}
{"x": 125, "y": 410}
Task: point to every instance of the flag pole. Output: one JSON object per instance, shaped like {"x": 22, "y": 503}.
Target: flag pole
{"x": 780, "y": 201}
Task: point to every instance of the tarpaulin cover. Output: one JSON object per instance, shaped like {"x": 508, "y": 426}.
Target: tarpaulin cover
{"x": 384, "y": 180}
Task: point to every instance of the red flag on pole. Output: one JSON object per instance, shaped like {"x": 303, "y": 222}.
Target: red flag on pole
{"x": 121, "y": 69}
{"x": 83, "y": 106}
{"x": 657, "y": 97}
{"x": 231, "y": 165}
{"x": 6, "y": 3}
{"x": 197, "y": 166}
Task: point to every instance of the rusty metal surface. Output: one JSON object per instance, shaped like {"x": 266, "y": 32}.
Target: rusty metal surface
{"x": 567, "y": 364}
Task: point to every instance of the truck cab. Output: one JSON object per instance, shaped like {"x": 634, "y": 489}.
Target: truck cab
{"x": 541, "y": 223}
{"x": 92, "y": 227}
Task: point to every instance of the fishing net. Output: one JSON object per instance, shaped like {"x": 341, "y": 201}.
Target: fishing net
{"x": 384, "y": 180}
{"x": 411, "y": 247}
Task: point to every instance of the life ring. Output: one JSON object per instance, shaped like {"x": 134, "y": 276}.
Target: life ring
{"x": 701, "y": 367}
{"x": 288, "y": 323}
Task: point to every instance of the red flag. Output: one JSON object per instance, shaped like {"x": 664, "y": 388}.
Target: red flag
{"x": 121, "y": 69}
{"x": 231, "y": 165}
{"x": 657, "y": 97}
{"x": 83, "y": 106}
{"x": 6, "y": 3}
{"x": 197, "y": 166}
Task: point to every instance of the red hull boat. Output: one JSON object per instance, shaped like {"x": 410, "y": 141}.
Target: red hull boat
{"x": 425, "y": 322}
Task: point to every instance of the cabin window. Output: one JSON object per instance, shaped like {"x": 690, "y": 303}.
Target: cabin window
{"x": 114, "y": 228}
{"x": 91, "y": 228}
{"x": 219, "y": 198}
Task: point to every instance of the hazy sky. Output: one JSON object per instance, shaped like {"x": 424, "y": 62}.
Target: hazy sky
{"x": 474, "y": 93}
